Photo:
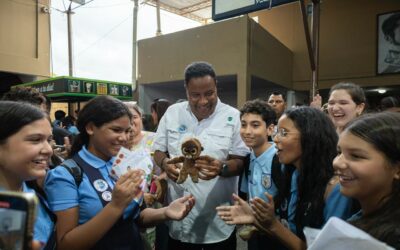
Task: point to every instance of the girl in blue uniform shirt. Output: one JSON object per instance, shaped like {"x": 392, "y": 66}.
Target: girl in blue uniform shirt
{"x": 308, "y": 192}
{"x": 368, "y": 165}
{"x": 25, "y": 153}
{"x": 99, "y": 213}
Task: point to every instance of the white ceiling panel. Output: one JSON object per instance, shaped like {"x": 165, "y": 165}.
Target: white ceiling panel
{"x": 198, "y": 10}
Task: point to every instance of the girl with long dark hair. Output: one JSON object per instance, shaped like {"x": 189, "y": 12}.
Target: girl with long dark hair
{"x": 98, "y": 212}
{"x": 308, "y": 191}
{"x": 25, "y": 151}
{"x": 368, "y": 165}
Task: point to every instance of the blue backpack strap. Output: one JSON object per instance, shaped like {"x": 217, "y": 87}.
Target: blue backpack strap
{"x": 74, "y": 169}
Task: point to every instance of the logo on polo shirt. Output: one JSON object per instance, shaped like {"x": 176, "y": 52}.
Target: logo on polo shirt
{"x": 266, "y": 181}
{"x": 182, "y": 129}
{"x": 230, "y": 121}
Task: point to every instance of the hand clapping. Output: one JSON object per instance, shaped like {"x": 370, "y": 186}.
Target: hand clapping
{"x": 179, "y": 208}
{"x": 240, "y": 213}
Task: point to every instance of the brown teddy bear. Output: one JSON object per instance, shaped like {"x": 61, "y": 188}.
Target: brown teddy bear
{"x": 191, "y": 150}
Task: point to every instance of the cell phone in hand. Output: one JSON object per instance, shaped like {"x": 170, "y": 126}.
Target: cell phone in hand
{"x": 61, "y": 147}
{"x": 17, "y": 216}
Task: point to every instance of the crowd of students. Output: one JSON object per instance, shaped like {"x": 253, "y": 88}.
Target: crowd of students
{"x": 317, "y": 165}
{"x": 355, "y": 178}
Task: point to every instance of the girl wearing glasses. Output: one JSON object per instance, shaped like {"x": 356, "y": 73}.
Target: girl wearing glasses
{"x": 368, "y": 165}
{"x": 308, "y": 192}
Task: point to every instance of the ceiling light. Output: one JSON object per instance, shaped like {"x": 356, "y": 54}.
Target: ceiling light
{"x": 381, "y": 91}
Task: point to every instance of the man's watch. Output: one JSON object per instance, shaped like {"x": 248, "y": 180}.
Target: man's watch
{"x": 224, "y": 169}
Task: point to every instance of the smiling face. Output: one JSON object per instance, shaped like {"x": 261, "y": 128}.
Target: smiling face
{"x": 288, "y": 146}
{"x": 254, "y": 132}
{"x": 105, "y": 141}
{"x": 342, "y": 108}
{"x": 201, "y": 93}
{"x": 26, "y": 154}
{"x": 364, "y": 172}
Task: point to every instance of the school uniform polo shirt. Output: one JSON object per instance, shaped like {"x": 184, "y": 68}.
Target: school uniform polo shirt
{"x": 43, "y": 226}
{"x": 63, "y": 193}
{"x": 258, "y": 180}
{"x": 336, "y": 204}
{"x": 219, "y": 136}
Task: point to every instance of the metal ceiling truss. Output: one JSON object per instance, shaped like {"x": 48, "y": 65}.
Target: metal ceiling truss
{"x": 186, "y": 11}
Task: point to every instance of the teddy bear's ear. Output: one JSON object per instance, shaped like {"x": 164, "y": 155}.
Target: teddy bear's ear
{"x": 202, "y": 148}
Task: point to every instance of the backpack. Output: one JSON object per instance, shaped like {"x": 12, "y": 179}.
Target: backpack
{"x": 76, "y": 172}
{"x": 74, "y": 169}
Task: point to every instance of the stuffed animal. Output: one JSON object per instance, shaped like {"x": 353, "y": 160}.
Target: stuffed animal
{"x": 191, "y": 150}
{"x": 158, "y": 189}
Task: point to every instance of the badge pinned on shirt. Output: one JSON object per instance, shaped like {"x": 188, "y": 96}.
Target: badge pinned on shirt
{"x": 230, "y": 120}
{"x": 106, "y": 196}
{"x": 266, "y": 181}
{"x": 100, "y": 185}
{"x": 182, "y": 129}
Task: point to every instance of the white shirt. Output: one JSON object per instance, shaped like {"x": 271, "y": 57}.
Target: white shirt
{"x": 220, "y": 137}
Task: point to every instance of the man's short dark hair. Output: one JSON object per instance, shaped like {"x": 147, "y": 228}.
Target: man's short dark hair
{"x": 259, "y": 107}
{"x": 199, "y": 69}
{"x": 59, "y": 114}
{"x": 277, "y": 92}
{"x": 388, "y": 27}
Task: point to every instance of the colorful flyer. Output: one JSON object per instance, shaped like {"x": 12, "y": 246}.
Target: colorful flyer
{"x": 130, "y": 160}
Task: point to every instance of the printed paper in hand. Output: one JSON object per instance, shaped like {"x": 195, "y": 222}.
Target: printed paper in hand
{"x": 338, "y": 234}
{"x": 129, "y": 160}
